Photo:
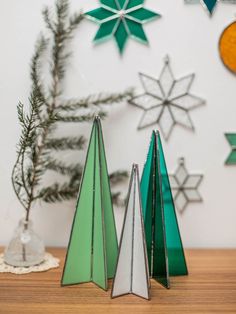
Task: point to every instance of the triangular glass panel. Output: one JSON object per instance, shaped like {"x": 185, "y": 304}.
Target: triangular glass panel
{"x": 132, "y": 275}
{"x": 210, "y": 5}
{"x": 164, "y": 245}
{"x": 231, "y": 138}
{"x": 93, "y": 248}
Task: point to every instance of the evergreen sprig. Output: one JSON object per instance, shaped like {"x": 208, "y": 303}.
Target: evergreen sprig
{"x": 47, "y": 109}
{"x": 66, "y": 143}
{"x": 95, "y": 100}
{"x": 58, "y": 193}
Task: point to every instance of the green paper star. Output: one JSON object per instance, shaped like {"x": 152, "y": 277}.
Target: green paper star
{"x": 231, "y": 138}
{"x": 121, "y": 19}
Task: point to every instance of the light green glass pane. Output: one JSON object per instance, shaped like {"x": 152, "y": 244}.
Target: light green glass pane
{"x": 143, "y": 15}
{"x": 105, "y": 30}
{"x": 176, "y": 258}
{"x": 98, "y": 253}
{"x": 99, "y": 14}
{"x": 110, "y": 3}
{"x": 121, "y": 36}
{"x": 134, "y": 3}
{"x": 231, "y": 160}
{"x": 77, "y": 266}
{"x": 231, "y": 138}
{"x": 109, "y": 220}
{"x": 136, "y": 30}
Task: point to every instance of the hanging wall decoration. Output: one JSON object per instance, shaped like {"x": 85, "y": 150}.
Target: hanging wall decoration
{"x": 185, "y": 186}
{"x": 231, "y": 138}
{"x": 164, "y": 246}
{"x": 227, "y": 47}
{"x": 209, "y": 5}
{"x": 93, "y": 248}
{"x": 132, "y": 275}
{"x": 166, "y": 101}
{"x": 121, "y": 19}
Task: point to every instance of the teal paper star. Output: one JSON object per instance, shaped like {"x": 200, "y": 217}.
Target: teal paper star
{"x": 231, "y": 138}
{"x": 121, "y": 19}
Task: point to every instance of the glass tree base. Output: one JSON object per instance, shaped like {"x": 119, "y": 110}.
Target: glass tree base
{"x": 26, "y": 248}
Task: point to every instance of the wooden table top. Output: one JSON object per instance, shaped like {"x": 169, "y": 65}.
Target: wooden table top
{"x": 209, "y": 288}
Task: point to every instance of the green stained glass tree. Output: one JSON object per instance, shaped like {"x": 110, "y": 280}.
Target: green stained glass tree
{"x": 164, "y": 246}
{"x": 93, "y": 248}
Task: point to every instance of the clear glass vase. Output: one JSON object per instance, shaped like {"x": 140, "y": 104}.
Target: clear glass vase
{"x": 26, "y": 248}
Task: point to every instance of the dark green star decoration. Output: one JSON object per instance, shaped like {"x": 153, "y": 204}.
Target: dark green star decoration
{"x": 231, "y": 138}
{"x": 210, "y": 5}
{"x": 121, "y": 19}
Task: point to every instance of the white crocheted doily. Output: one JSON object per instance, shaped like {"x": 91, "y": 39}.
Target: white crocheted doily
{"x": 48, "y": 263}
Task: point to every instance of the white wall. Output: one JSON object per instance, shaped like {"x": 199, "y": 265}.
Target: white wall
{"x": 190, "y": 38}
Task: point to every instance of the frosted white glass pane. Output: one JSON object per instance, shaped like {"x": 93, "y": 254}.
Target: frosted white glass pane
{"x": 181, "y": 86}
{"x": 151, "y": 86}
{"x": 122, "y": 280}
{"x": 140, "y": 275}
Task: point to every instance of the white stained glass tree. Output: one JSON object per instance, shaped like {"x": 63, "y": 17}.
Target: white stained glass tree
{"x": 132, "y": 275}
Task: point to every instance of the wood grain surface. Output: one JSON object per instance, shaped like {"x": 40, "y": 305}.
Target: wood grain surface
{"x": 209, "y": 288}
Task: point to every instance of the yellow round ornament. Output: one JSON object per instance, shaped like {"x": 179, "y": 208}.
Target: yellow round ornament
{"x": 227, "y": 47}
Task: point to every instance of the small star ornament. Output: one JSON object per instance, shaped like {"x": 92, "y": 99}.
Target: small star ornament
{"x": 121, "y": 19}
{"x": 231, "y": 138}
{"x": 184, "y": 186}
{"x": 209, "y": 5}
{"x": 166, "y": 101}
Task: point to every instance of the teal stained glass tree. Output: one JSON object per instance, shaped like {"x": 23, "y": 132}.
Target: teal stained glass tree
{"x": 132, "y": 275}
{"x": 93, "y": 248}
{"x": 164, "y": 246}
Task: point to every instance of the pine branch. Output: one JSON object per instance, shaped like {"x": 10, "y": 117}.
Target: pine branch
{"x": 62, "y": 12}
{"x": 45, "y": 112}
{"x": 48, "y": 20}
{"x": 74, "y": 21}
{"x": 118, "y": 177}
{"x": 81, "y": 118}
{"x": 117, "y": 199}
{"x": 58, "y": 193}
{"x": 29, "y": 124}
{"x": 96, "y": 100}
{"x": 40, "y": 47}
{"x": 65, "y": 143}
{"x": 64, "y": 169}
